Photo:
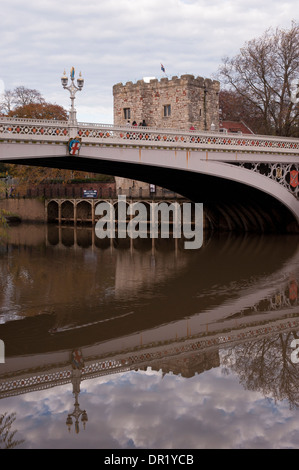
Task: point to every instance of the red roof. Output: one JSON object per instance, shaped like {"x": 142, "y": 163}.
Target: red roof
{"x": 235, "y": 127}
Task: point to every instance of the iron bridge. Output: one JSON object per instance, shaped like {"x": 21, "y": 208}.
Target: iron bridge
{"x": 251, "y": 180}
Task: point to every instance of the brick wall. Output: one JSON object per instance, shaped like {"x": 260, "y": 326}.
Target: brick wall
{"x": 71, "y": 190}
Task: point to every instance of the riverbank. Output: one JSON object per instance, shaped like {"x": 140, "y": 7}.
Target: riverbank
{"x": 25, "y": 210}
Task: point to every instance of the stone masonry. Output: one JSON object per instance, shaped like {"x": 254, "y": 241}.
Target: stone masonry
{"x": 177, "y": 103}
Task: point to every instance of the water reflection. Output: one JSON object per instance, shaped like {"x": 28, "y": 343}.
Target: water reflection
{"x": 78, "y": 314}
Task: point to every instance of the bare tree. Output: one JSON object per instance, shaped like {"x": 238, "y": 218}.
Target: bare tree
{"x": 7, "y": 436}
{"x": 265, "y": 365}
{"x": 233, "y": 107}
{"x": 19, "y": 97}
{"x": 7, "y": 102}
{"x": 262, "y": 75}
{"x": 24, "y": 96}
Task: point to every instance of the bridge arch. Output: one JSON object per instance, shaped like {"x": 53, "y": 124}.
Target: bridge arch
{"x": 52, "y": 211}
{"x": 204, "y": 167}
{"x": 84, "y": 211}
{"x": 249, "y": 201}
{"x": 234, "y": 198}
{"x": 67, "y": 210}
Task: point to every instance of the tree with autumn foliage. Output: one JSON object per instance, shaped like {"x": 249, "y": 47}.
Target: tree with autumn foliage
{"x": 28, "y": 103}
{"x": 260, "y": 80}
{"x": 40, "y": 111}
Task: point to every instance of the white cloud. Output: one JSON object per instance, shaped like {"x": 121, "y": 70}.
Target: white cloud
{"x": 144, "y": 410}
{"x": 120, "y": 40}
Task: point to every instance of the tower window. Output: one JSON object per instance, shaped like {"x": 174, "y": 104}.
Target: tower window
{"x": 127, "y": 113}
{"x": 167, "y": 110}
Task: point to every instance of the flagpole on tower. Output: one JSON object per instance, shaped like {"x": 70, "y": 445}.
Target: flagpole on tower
{"x": 163, "y": 70}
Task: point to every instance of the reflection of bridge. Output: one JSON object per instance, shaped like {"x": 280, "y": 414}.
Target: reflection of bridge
{"x": 256, "y": 177}
{"x": 27, "y": 374}
{"x": 265, "y": 306}
{"x": 253, "y": 316}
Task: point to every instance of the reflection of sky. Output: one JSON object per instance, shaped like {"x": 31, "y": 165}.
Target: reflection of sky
{"x": 144, "y": 410}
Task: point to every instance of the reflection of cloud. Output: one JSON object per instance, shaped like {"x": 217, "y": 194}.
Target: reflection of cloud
{"x": 144, "y": 410}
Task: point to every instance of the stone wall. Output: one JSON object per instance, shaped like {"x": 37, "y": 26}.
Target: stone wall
{"x": 29, "y": 210}
{"x": 193, "y": 102}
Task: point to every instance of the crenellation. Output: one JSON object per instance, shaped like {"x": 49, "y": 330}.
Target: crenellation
{"x": 197, "y": 81}
{"x": 177, "y": 102}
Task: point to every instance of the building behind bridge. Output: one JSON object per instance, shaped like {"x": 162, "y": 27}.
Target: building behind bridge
{"x": 176, "y": 103}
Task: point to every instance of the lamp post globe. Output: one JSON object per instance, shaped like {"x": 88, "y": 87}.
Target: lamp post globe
{"x": 72, "y": 88}
{"x": 64, "y": 80}
{"x": 80, "y": 82}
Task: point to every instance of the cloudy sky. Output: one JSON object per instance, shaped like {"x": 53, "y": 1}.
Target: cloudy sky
{"x": 144, "y": 410}
{"x": 114, "y": 41}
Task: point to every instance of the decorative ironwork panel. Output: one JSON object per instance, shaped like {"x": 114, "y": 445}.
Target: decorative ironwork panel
{"x": 285, "y": 174}
{"x": 107, "y": 134}
{"x": 23, "y": 127}
{"x": 202, "y": 139}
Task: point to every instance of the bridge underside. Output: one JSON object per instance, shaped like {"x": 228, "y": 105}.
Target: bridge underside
{"x": 228, "y": 205}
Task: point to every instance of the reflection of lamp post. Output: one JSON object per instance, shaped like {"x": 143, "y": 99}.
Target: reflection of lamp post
{"x": 76, "y": 380}
{"x": 73, "y": 90}
{"x": 76, "y": 414}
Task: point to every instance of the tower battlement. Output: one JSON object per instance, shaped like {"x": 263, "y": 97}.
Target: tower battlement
{"x": 179, "y": 102}
{"x": 177, "y": 81}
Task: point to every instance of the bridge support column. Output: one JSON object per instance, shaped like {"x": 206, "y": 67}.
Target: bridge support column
{"x": 93, "y": 213}
{"x": 59, "y": 213}
{"x": 46, "y": 212}
{"x": 75, "y": 213}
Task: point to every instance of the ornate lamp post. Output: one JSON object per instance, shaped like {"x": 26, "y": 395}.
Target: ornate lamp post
{"x": 73, "y": 90}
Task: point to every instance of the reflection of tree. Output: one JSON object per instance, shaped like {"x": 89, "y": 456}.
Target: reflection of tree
{"x": 3, "y": 226}
{"x": 6, "y": 435}
{"x": 265, "y": 365}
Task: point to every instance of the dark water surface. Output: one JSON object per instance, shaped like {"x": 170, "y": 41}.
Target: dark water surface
{"x": 156, "y": 347}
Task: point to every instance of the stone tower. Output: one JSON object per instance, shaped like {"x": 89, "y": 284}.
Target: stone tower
{"x": 177, "y": 103}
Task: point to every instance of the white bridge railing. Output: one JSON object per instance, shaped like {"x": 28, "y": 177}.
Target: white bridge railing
{"x": 17, "y": 130}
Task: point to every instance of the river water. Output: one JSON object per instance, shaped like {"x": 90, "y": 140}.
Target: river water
{"x": 153, "y": 345}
